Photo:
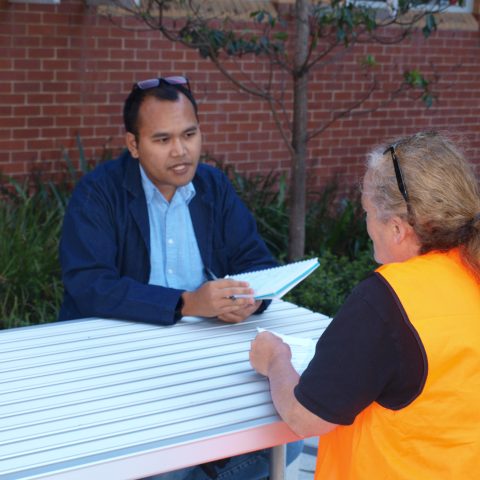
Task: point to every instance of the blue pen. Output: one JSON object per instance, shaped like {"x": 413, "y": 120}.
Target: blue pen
{"x": 231, "y": 297}
{"x": 210, "y": 274}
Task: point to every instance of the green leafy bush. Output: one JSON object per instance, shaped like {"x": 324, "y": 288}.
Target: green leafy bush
{"x": 31, "y": 216}
{"x": 336, "y": 223}
{"x": 30, "y": 287}
{"x": 328, "y": 286}
{"x": 265, "y": 197}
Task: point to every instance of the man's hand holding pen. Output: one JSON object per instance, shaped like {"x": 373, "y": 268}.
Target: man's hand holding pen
{"x": 232, "y": 301}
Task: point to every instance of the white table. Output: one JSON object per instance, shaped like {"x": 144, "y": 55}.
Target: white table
{"x": 109, "y": 399}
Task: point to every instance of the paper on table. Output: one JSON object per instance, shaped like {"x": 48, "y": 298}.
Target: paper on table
{"x": 302, "y": 349}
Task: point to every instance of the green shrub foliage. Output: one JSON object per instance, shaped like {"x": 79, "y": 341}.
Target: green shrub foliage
{"x": 30, "y": 287}
{"x": 328, "y": 286}
{"x": 31, "y": 216}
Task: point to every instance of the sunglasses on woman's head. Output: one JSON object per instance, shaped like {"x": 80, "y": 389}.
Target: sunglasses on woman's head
{"x": 398, "y": 172}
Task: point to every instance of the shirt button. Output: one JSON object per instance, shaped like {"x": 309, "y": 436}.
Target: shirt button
{"x": 170, "y": 241}
{"x": 170, "y": 270}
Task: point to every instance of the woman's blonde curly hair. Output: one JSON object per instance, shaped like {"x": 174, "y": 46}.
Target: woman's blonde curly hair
{"x": 443, "y": 200}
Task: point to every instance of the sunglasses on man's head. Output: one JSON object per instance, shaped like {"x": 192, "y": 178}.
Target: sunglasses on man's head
{"x": 398, "y": 172}
{"x": 155, "y": 82}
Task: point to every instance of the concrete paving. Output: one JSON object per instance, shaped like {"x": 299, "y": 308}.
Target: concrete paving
{"x": 304, "y": 467}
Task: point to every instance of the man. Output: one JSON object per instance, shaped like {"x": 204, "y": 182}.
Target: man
{"x": 145, "y": 237}
{"x": 143, "y": 234}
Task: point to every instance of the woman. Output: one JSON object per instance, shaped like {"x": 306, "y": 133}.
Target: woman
{"x": 394, "y": 386}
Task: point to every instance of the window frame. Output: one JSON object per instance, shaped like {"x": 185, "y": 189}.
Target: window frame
{"x": 38, "y": 2}
{"x": 387, "y": 4}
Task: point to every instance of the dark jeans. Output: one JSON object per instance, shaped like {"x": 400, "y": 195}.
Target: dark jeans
{"x": 249, "y": 466}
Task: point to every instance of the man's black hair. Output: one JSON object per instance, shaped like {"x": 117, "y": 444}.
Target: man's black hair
{"x": 164, "y": 91}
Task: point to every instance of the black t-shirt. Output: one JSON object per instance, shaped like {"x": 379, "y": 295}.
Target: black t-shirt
{"x": 370, "y": 352}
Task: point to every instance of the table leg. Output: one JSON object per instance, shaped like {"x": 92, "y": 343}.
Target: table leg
{"x": 278, "y": 459}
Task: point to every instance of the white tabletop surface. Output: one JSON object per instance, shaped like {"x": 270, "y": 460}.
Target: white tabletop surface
{"x": 109, "y": 399}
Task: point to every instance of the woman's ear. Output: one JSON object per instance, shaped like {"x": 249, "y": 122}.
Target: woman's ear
{"x": 400, "y": 229}
{"x": 131, "y": 143}
{"x": 405, "y": 239}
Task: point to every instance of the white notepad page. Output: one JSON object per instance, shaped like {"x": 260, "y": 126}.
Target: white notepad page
{"x": 276, "y": 282}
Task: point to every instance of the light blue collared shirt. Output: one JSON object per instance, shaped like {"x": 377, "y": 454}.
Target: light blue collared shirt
{"x": 174, "y": 254}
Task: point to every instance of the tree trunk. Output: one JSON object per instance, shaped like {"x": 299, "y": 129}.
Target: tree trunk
{"x": 296, "y": 244}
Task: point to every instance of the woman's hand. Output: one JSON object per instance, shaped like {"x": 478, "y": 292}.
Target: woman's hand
{"x": 265, "y": 349}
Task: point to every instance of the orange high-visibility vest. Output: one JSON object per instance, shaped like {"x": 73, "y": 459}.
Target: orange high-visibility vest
{"x": 437, "y": 436}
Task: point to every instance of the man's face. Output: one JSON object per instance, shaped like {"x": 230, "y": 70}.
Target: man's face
{"x": 169, "y": 143}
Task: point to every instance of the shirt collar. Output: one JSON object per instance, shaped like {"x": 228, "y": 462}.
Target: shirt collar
{"x": 186, "y": 192}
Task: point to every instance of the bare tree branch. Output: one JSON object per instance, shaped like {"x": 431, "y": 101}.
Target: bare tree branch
{"x": 343, "y": 113}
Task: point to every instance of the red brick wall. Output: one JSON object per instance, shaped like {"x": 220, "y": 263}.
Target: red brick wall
{"x": 64, "y": 71}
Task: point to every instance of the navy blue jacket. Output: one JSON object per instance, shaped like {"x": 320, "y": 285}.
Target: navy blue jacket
{"x": 105, "y": 243}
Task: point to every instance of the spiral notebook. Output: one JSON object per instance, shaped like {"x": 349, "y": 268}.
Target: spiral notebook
{"x": 276, "y": 282}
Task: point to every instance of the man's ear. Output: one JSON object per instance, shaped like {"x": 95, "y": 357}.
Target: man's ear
{"x": 131, "y": 143}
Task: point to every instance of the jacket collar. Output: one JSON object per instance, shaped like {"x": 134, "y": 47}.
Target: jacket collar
{"x": 202, "y": 213}
{"x": 132, "y": 182}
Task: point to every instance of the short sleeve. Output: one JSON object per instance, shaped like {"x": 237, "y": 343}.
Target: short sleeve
{"x": 367, "y": 354}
